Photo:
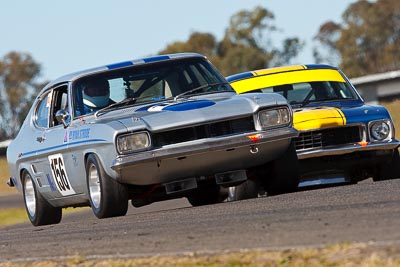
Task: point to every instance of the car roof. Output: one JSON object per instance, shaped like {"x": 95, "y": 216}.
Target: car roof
{"x": 123, "y": 64}
{"x": 248, "y": 74}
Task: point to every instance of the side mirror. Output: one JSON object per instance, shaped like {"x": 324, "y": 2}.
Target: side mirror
{"x": 63, "y": 117}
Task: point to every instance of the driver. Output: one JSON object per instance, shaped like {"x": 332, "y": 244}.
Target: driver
{"x": 96, "y": 95}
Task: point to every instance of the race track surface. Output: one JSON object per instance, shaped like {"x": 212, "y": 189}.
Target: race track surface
{"x": 364, "y": 212}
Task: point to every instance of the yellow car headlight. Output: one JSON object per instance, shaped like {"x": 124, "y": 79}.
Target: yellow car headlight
{"x": 380, "y": 130}
{"x": 133, "y": 142}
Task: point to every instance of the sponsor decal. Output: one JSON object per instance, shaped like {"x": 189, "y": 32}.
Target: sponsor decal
{"x": 74, "y": 160}
{"x": 66, "y": 137}
{"x": 60, "y": 175}
{"x": 79, "y": 134}
{"x": 51, "y": 183}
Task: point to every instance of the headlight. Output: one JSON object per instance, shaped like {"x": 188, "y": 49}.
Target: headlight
{"x": 379, "y": 130}
{"x": 271, "y": 118}
{"x": 133, "y": 142}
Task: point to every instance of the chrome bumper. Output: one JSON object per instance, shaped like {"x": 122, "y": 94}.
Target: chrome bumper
{"x": 347, "y": 149}
{"x": 194, "y": 147}
{"x": 202, "y": 157}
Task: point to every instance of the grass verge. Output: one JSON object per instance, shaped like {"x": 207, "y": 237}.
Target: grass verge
{"x": 333, "y": 256}
{"x": 4, "y": 175}
{"x": 12, "y": 216}
{"x": 18, "y": 215}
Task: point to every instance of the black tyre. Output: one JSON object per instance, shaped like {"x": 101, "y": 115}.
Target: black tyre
{"x": 284, "y": 175}
{"x": 39, "y": 211}
{"x": 391, "y": 170}
{"x": 107, "y": 197}
{"x": 207, "y": 195}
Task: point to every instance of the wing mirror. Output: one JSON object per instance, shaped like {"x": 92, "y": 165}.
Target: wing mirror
{"x": 63, "y": 117}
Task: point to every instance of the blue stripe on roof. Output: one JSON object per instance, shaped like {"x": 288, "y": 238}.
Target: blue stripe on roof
{"x": 239, "y": 76}
{"x": 156, "y": 58}
{"x": 59, "y": 146}
{"x": 120, "y": 65}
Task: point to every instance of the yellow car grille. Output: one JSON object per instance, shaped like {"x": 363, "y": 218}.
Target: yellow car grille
{"x": 328, "y": 137}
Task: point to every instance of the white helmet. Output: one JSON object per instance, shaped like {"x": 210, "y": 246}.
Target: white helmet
{"x": 96, "y": 94}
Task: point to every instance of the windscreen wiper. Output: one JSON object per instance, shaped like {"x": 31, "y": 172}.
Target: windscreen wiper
{"x": 197, "y": 89}
{"x": 125, "y": 101}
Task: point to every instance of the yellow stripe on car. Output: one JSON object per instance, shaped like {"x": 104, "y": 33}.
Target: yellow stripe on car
{"x": 317, "y": 118}
{"x": 274, "y": 79}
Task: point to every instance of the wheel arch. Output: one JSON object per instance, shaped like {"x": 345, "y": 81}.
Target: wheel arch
{"x": 113, "y": 174}
{"x": 21, "y": 177}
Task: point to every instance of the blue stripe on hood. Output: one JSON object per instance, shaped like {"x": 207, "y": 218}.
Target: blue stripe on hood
{"x": 189, "y": 105}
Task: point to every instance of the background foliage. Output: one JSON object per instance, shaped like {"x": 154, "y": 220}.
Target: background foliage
{"x": 246, "y": 45}
{"x": 366, "y": 42}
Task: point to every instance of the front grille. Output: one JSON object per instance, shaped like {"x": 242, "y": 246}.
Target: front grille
{"x": 215, "y": 129}
{"x": 328, "y": 137}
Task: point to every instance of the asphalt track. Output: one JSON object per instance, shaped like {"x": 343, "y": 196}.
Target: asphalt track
{"x": 364, "y": 212}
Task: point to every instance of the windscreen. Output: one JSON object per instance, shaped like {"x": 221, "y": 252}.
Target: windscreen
{"x": 147, "y": 83}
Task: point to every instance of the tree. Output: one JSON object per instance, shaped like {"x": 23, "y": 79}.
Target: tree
{"x": 18, "y": 88}
{"x": 246, "y": 45}
{"x": 368, "y": 39}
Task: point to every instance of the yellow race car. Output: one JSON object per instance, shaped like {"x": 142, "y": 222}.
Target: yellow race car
{"x": 341, "y": 139}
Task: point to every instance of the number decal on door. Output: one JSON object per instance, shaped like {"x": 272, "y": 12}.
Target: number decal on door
{"x": 60, "y": 175}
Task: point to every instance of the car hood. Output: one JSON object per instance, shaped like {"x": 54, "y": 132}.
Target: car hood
{"x": 322, "y": 117}
{"x": 175, "y": 114}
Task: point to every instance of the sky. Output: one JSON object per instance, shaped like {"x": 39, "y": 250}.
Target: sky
{"x": 68, "y": 36}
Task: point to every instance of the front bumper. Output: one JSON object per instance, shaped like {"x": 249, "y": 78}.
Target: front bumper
{"x": 203, "y": 157}
{"x": 10, "y": 182}
{"x": 347, "y": 149}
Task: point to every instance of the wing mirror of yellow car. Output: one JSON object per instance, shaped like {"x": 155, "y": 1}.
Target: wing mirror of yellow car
{"x": 63, "y": 117}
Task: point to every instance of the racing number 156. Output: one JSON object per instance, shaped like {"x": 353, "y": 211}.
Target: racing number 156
{"x": 60, "y": 174}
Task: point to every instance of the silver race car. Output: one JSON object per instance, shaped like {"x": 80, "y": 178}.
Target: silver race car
{"x": 147, "y": 130}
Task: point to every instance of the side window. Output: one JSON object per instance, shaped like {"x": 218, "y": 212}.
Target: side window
{"x": 42, "y": 111}
{"x": 60, "y": 101}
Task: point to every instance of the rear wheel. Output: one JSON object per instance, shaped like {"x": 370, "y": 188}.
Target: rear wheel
{"x": 107, "y": 197}
{"x": 39, "y": 211}
{"x": 284, "y": 175}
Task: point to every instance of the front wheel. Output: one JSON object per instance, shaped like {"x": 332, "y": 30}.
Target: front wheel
{"x": 107, "y": 197}
{"x": 390, "y": 170}
{"x": 39, "y": 211}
